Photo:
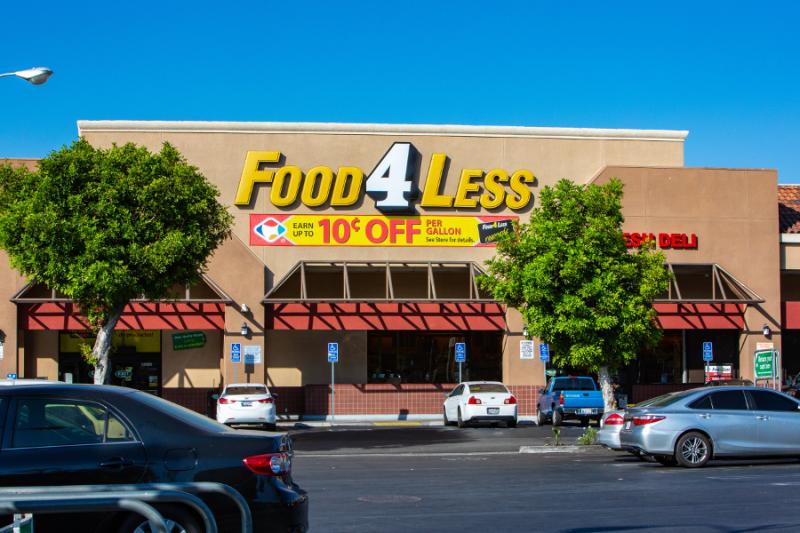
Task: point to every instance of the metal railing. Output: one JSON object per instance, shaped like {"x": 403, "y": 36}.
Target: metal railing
{"x": 136, "y": 498}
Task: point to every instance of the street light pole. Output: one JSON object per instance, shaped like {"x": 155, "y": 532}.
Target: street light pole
{"x": 34, "y": 76}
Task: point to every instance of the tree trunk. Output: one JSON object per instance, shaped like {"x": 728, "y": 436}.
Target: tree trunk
{"x": 102, "y": 347}
{"x": 608, "y": 390}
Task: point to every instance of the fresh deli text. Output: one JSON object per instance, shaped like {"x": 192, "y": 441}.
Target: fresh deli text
{"x": 676, "y": 241}
{"x": 375, "y": 230}
{"x": 392, "y": 183}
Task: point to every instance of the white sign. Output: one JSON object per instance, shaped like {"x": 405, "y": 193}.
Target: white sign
{"x": 252, "y": 355}
{"x": 764, "y": 346}
{"x": 526, "y": 350}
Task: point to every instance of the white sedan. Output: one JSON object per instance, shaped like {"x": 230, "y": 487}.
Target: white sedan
{"x": 480, "y": 401}
{"x": 246, "y": 403}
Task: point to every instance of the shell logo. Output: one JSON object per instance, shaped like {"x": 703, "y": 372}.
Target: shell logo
{"x": 270, "y": 229}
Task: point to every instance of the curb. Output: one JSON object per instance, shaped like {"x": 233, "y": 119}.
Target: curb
{"x": 555, "y": 449}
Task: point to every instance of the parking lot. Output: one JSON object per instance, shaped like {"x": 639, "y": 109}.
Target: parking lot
{"x": 445, "y": 479}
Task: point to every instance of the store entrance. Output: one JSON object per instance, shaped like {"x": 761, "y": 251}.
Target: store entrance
{"x": 429, "y": 357}
{"x": 135, "y": 360}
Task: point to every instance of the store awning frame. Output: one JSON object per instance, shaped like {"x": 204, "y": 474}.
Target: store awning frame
{"x": 719, "y": 278}
{"x": 302, "y": 269}
{"x": 222, "y": 297}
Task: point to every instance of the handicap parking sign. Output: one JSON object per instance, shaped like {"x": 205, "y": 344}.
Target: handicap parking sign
{"x": 461, "y": 352}
{"x": 236, "y": 352}
{"x": 708, "y": 352}
{"x": 333, "y": 352}
{"x": 544, "y": 352}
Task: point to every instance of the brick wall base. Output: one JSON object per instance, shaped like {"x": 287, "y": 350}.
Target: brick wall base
{"x": 369, "y": 399}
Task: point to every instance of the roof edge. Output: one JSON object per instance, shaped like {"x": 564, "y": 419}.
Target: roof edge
{"x": 337, "y": 128}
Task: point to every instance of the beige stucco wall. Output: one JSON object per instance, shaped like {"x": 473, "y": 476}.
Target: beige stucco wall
{"x": 195, "y": 367}
{"x": 734, "y": 214}
{"x": 300, "y": 358}
{"x": 41, "y": 354}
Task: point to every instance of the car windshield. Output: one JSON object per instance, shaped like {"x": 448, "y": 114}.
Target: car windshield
{"x": 488, "y": 387}
{"x": 573, "y": 384}
{"x": 183, "y": 414}
{"x": 245, "y": 389}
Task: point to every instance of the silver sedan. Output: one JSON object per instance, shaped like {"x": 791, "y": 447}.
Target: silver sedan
{"x": 691, "y": 427}
{"x": 611, "y": 424}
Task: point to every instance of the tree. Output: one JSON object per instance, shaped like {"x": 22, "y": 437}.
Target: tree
{"x": 106, "y": 226}
{"x": 576, "y": 284}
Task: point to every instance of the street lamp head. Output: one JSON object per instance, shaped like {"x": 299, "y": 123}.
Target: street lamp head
{"x": 36, "y": 75}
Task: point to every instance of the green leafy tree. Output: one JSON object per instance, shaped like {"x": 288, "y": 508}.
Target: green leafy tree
{"x": 106, "y": 226}
{"x": 576, "y": 284}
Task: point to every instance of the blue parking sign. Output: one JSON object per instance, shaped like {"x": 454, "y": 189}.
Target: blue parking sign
{"x": 333, "y": 352}
{"x": 708, "y": 351}
{"x": 544, "y": 352}
{"x": 461, "y": 352}
{"x": 236, "y": 352}
{"x": 11, "y": 376}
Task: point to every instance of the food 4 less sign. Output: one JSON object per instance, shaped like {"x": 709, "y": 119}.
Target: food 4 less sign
{"x": 391, "y": 184}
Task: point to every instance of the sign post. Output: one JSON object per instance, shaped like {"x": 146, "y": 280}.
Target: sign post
{"x": 461, "y": 356}
{"x": 544, "y": 355}
{"x": 236, "y": 357}
{"x": 708, "y": 356}
{"x": 333, "y": 358}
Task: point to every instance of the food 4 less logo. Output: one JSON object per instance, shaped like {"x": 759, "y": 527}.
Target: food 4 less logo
{"x": 391, "y": 184}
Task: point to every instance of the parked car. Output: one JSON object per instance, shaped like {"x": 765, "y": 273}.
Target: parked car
{"x": 246, "y": 403}
{"x": 569, "y": 397}
{"x": 691, "y": 427}
{"x": 480, "y": 401}
{"x": 793, "y": 387}
{"x": 89, "y": 434}
{"x": 611, "y": 425}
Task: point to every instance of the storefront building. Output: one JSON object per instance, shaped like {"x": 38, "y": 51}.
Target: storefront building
{"x": 373, "y": 237}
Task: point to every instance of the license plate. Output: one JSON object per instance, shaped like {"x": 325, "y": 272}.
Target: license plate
{"x": 247, "y": 404}
{"x": 587, "y": 411}
{"x": 628, "y": 424}
{"x": 492, "y": 410}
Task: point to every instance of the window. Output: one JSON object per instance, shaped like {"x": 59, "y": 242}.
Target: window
{"x": 770, "y": 401}
{"x": 574, "y": 384}
{"x": 245, "y": 389}
{"x": 702, "y": 403}
{"x": 54, "y": 422}
{"x": 457, "y": 391}
{"x": 729, "y": 399}
{"x": 488, "y": 387}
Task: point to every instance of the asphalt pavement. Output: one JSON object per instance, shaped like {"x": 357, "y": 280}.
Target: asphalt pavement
{"x": 393, "y": 479}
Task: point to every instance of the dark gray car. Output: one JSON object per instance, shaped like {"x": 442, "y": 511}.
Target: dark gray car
{"x": 691, "y": 427}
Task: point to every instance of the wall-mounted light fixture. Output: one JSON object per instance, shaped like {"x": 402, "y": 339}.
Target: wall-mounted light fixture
{"x": 766, "y": 330}
{"x": 525, "y": 332}
{"x": 245, "y": 331}
{"x": 244, "y": 309}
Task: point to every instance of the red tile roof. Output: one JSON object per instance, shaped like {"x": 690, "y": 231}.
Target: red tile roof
{"x": 789, "y": 208}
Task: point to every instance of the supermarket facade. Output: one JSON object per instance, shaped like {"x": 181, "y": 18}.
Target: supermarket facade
{"x": 373, "y": 236}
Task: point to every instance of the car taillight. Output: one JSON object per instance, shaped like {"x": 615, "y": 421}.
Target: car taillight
{"x": 647, "y": 419}
{"x": 474, "y": 401}
{"x": 269, "y": 464}
{"x": 510, "y": 400}
{"x": 225, "y": 401}
{"x": 561, "y": 399}
{"x": 614, "y": 420}
{"x": 265, "y": 400}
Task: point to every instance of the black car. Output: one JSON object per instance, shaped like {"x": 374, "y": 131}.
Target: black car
{"x": 59, "y": 434}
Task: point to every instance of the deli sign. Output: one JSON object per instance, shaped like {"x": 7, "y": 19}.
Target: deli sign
{"x": 666, "y": 241}
{"x": 399, "y": 181}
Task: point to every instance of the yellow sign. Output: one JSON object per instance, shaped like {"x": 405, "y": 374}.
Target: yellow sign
{"x": 144, "y": 341}
{"x": 375, "y": 230}
{"x": 391, "y": 184}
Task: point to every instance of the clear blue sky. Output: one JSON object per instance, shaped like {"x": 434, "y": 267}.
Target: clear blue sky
{"x": 729, "y": 72}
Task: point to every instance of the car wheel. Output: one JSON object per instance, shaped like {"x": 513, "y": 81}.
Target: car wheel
{"x": 178, "y": 520}
{"x": 461, "y": 423}
{"x": 666, "y": 460}
{"x": 511, "y": 423}
{"x": 693, "y": 450}
{"x": 540, "y": 418}
{"x": 558, "y": 418}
